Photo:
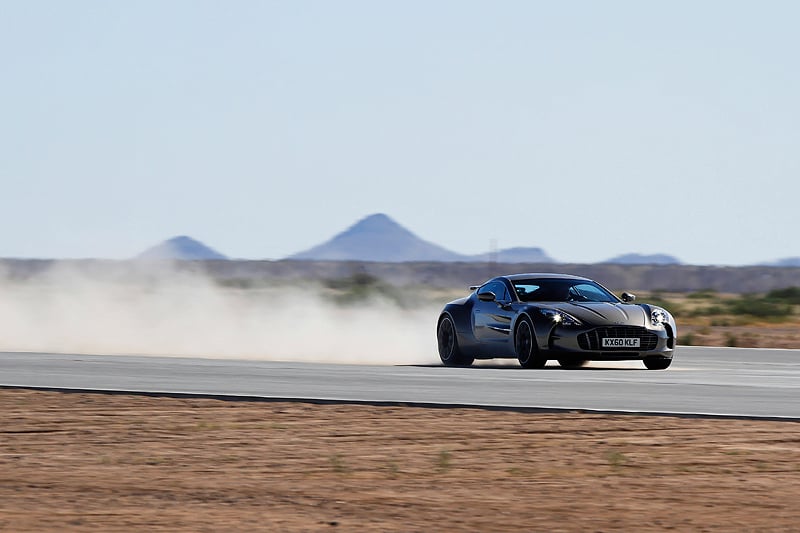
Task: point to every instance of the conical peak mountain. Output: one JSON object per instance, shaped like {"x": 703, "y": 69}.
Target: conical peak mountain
{"x": 377, "y": 238}
{"x": 380, "y": 224}
{"x": 181, "y": 247}
{"x": 183, "y": 241}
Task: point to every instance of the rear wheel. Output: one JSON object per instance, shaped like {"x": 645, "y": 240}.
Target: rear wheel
{"x": 525, "y": 345}
{"x": 449, "y": 352}
{"x": 572, "y": 363}
{"x": 657, "y": 363}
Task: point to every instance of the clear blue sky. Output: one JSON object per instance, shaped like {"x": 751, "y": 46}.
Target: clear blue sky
{"x": 262, "y": 128}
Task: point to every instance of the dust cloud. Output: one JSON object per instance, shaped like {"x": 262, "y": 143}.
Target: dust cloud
{"x": 176, "y": 313}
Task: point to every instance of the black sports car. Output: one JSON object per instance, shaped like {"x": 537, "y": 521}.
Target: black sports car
{"x": 536, "y": 317}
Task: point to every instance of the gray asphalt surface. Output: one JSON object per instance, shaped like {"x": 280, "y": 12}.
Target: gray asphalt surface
{"x": 709, "y": 381}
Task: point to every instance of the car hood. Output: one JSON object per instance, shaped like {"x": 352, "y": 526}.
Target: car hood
{"x": 603, "y": 313}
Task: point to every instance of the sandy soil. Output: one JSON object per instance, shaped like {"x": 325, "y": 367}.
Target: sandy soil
{"x": 785, "y": 336}
{"x": 99, "y": 462}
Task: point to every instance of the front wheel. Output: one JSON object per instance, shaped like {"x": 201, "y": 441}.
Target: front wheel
{"x": 525, "y": 346}
{"x": 449, "y": 352}
{"x": 657, "y": 363}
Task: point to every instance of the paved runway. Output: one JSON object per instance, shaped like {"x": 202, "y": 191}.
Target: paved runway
{"x": 712, "y": 381}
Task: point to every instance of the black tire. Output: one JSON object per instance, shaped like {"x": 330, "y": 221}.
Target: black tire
{"x": 572, "y": 363}
{"x": 657, "y": 363}
{"x": 525, "y": 345}
{"x": 449, "y": 351}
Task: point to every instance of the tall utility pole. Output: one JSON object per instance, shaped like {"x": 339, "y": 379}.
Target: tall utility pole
{"x": 492, "y": 266}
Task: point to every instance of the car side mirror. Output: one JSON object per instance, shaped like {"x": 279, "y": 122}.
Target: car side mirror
{"x": 487, "y": 296}
{"x": 628, "y": 297}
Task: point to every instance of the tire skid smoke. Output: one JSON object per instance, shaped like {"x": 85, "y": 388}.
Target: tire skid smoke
{"x": 158, "y": 310}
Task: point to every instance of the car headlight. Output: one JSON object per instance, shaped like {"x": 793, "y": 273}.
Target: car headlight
{"x": 658, "y": 316}
{"x": 560, "y": 317}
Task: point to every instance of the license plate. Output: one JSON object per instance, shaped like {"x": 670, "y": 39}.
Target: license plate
{"x": 614, "y": 342}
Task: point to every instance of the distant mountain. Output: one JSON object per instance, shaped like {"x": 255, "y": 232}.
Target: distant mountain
{"x": 377, "y": 238}
{"x": 642, "y": 259}
{"x": 515, "y": 255}
{"x": 785, "y": 262}
{"x": 183, "y": 248}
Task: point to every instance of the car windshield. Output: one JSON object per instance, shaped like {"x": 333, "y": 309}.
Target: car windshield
{"x": 561, "y": 290}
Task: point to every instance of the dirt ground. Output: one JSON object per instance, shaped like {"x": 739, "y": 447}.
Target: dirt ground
{"x": 786, "y": 336}
{"x": 96, "y": 462}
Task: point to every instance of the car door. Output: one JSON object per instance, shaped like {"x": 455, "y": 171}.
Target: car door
{"x": 492, "y": 320}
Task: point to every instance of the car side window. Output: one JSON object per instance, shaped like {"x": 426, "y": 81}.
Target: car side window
{"x": 499, "y": 290}
{"x": 486, "y": 288}
{"x": 502, "y": 294}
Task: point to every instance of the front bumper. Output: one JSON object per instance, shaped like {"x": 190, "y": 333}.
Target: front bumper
{"x": 588, "y": 342}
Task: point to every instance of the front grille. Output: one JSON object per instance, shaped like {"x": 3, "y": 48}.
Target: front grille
{"x": 591, "y": 340}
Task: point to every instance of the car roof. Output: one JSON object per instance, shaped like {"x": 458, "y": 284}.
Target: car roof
{"x": 541, "y": 275}
{"x": 531, "y": 275}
